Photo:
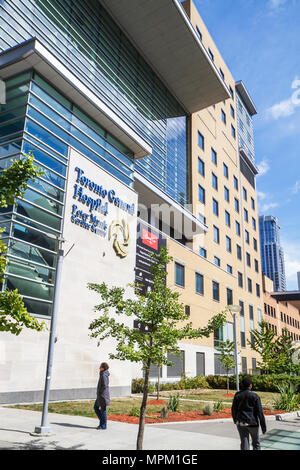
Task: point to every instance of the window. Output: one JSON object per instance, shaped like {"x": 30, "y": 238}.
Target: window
{"x": 211, "y": 55}
{"x": 223, "y": 116}
{"x": 232, "y": 111}
{"x": 247, "y": 237}
{"x": 201, "y": 167}
{"x": 179, "y": 275}
{"x": 222, "y": 75}
{"x": 214, "y": 181}
{"x": 245, "y": 215}
{"x": 215, "y": 207}
{"x": 229, "y": 297}
{"x": 227, "y": 219}
{"x": 252, "y": 203}
{"x": 239, "y": 252}
{"x": 253, "y": 223}
{"x": 216, "y": 234}
{"x": 236, "y": 183}
{"x": 228, "y": 244}
{"x": 237, "y": 205}
{"x": 199, "y": 33}
{"x": 201, "y": 194}
{"x": 245, "y": 194}
{"x": 258, "y": 290}
{"x": 202, "y": 218}
{"x": 249, "y": 285}
{"x": 200, "y": 140}
{"x": 214, "y": 157}
{"x": 238, "y": 228}
{"x": 231, "y": 92}
{"x": 217, "y": 261}
{"x": 256, "y": 265}
{"x": 216, "y": 291}
{"x": 225, "y": 169}
{"x": 240, "y": 279}
{"x": 226, "y": 194}
{"x": 229, "y": 269}
{"x": 203, "y": 252}
{"x": 199, "y": 283}
{"x": 255, "y": 244}
{"x": 248, "y": 260}
{"x": 233, "y": 132}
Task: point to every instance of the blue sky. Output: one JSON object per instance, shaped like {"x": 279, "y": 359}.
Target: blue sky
{"x": 260, "y": 42}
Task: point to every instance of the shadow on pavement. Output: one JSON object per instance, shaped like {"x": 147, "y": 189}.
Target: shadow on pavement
{"x": 68, "y": 425}
{"x": 39, "y": 444}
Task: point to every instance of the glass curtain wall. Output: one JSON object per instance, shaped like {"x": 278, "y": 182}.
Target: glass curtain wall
{"x": 37, "y": 118}
{"x": 86, "y": 40}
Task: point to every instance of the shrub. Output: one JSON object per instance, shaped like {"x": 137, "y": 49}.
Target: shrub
{"x": 134, "y": 412}
{"x": 164, "y": 412}
{"x": 208, "y": 409}
{"x": 287, "y": 401}
{"x": 219, "y": 406}
{"x": 137, "y": 386}
{"x": 173, "y": 403}
{"x": 262, "y": 383}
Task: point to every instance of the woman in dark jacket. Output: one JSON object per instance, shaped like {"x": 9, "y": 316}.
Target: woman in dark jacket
{"x": 103, "y": 398}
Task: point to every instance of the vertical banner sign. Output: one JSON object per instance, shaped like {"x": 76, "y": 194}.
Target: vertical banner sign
{"x": 149, "y": 241}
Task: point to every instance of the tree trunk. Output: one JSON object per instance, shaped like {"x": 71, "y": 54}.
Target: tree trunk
{"x": 227, "y": 385}
{"x": 140, "y": 437}
{"x": 158, "y": 381}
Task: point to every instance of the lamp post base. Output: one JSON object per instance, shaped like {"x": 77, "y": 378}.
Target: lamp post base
{"x": 42, "y": 431}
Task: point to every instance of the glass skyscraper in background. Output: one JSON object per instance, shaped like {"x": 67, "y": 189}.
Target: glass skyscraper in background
{"x": 272, "y": 255}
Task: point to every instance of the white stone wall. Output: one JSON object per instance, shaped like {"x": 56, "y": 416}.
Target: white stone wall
{"x": 92, "y": 259}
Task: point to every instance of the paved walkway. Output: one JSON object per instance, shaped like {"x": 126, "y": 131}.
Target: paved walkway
{"x": 79, "y": 433}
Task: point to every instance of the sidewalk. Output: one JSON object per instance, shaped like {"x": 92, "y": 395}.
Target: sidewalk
{"x": 79, "y": 433}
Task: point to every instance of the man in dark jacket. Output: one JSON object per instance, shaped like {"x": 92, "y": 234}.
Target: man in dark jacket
{"x": 247, "y": 414}
{"x": 103, "y": 398}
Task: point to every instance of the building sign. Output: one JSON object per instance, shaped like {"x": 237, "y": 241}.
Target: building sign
{"x": 149, "y": 241}
{"x": 92, "y": 203}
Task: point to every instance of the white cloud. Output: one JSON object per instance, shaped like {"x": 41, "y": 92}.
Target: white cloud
{"x": 268, "y": 206}
{"x": 286, "y": 107}
{"x": 261, "y": 196}
{"x": 296, "y": 188}
{"x": 292, "y": 262}
{"x": 263, "y": 167}
{"x": 276, "y": 4}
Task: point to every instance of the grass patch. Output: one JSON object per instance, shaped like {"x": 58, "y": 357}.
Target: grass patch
{"x": 194, "y": 400}
{"x": 117, "y": 407}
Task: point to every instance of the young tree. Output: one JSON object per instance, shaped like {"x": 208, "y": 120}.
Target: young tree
{"x": 276, "y": 353}
{"x": 163, "y": 317}
{"x": 13, "y": 182}
{"x": 226, "y": 348}
{"x": 263, "y": 343}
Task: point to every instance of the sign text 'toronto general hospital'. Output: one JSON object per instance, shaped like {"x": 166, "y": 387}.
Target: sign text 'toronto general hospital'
{"x": 99, "y": 204}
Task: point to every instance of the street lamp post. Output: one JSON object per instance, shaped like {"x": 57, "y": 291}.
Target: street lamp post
{"x": 44, "y": 428}
{"x": 234, "y": 309}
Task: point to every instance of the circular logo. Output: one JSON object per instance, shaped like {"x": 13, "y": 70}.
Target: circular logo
{"x": 119, "y": 230}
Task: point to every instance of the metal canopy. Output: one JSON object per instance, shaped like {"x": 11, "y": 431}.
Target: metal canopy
{"x": 32, "y": 54}
{"x": 244, "y": 94}
{"x": 164, "y": 35}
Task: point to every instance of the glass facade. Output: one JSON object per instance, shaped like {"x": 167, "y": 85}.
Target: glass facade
{"x": 272, "y": 256}
{"x": 88, "y": 42}
{"x": 37, "y": 119}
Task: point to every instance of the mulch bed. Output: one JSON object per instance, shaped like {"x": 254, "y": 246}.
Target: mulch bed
{"x": 228, "y": 395}
{"x": 180, "y": 416}
{"x": 156, "y": 402}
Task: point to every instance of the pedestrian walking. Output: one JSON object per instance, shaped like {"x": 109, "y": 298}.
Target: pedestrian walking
{"x": 103, "y": 397}
{"x": 247, "y": 414}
